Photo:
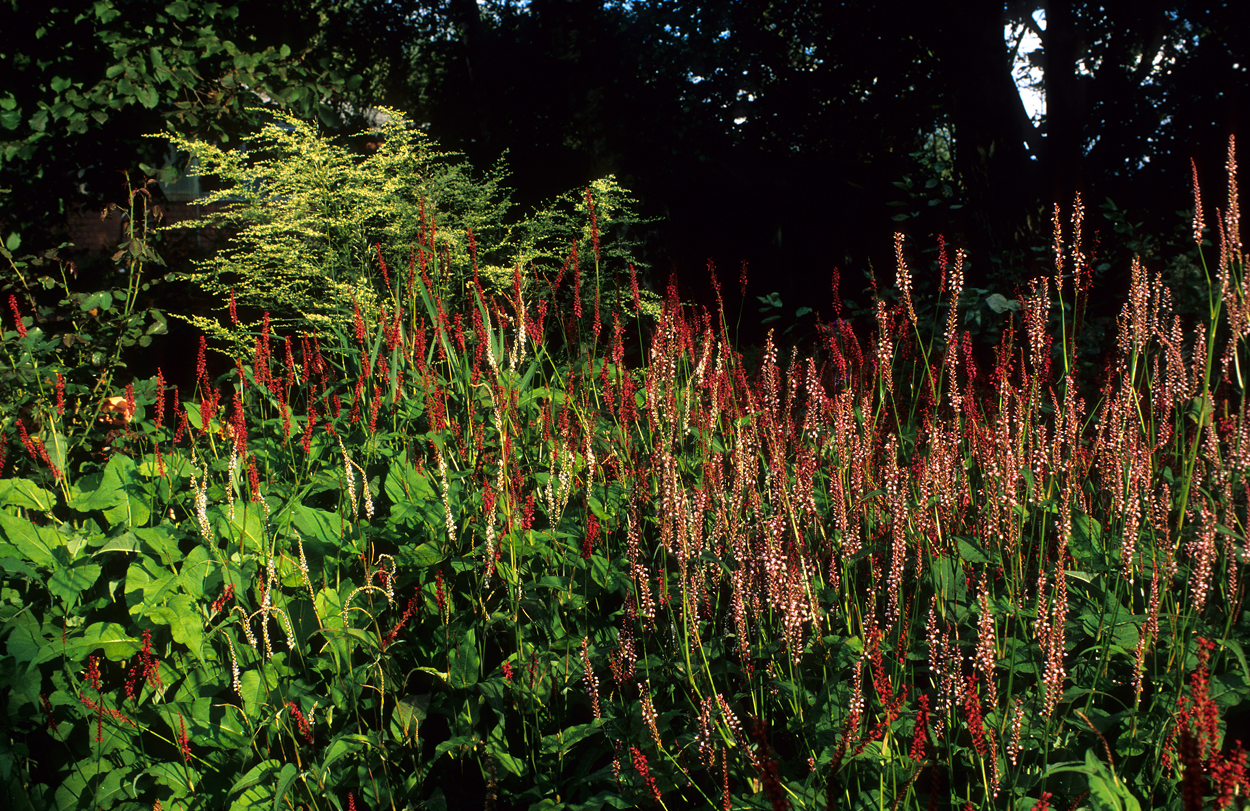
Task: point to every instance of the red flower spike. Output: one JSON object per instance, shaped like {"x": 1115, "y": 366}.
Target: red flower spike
{"x": 253, "y": 478}
{"x": 592, "y": 534}
{"x": 644, "y": 772}
{"x": 386, "y": 277}
{"x": 972, "y": 708}
{"x": 184, "y": 742}
{"x": 160, "y": 398}
{"x": 359, "y": 323}
{"x": 577, "y": 285}
{"x": 921, "y": 735}
{"x": 301, "y": 723}
{"x": 47, "y": 711}
{"x": 17, "y": 316}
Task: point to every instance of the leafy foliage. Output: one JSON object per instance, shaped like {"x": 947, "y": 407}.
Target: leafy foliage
{"x": 315, "y": 222}
{"x": 84, "y": 81}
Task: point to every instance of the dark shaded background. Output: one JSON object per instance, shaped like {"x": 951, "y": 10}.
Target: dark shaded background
{"x": 797, "y": 136}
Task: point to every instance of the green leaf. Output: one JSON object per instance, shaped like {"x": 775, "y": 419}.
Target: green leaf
{"x": 560, "y": 743}
{"x": 463, "y": 662}
{"x": 69, "y": 582}
{"x": 36, "y": 543}
{"x": 101, "y": 300}
{"x": 147, "y": 96}
{"x": 423, "y": 557}
{"x": 56, "y": 446}
{"x": 184, "y": 621}
{"x": 247, "y": 530}
{"x": 179, "y": 10}
{"x": 107, "y": 636}
{"x": 971, "y": 551}
{"x": 100, "y": 491}
{"x": 406, "y": 717}
{"x": 1001, "y": 304}
{"x": 252, "y": 688}
{"x": 318, "y": 528}
{"x": 286, "y": 777}
{"x": 257, "y": 776}
{"x": 14, "y": 240}
{"x": 132, "y": 512}
{"x": 26, "y": 495}
{"x": 59, "y": 84}
{"x": 82, "y": 784}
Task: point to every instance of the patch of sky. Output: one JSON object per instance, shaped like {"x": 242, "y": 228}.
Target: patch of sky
{"x": 1025, "y": 43}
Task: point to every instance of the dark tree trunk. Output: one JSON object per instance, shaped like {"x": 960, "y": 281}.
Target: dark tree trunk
{"x": 990, "y": 122}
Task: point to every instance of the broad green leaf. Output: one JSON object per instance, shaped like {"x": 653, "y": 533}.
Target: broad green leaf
{"x": 101, "y": 300}
{"x": 286, "y": 777}
{"x": 69, "y": 582}
{"x": 408, "y": 713}
{"x": 1001, "y": 304}
{"x": 463, "y": 662}
{"x": 55, "y": 444}
{"x": 246, "y": 528}
{"x": 110, "y": 637}
{"x": 126, "y": 542}
{"x": 79, "y": 788}
{"x": 174, "y": 775}
{"x": 343, "y": 745}
{"x": 971, "y": 551}
{"x": 184, "y": 621}
{"x": 131, "y": 512}
{"x": 25, "y": 640}
{"x": 1105, "y": 793}
{"x": 252, "y": 687}
{"x": 147, "y": 96}
{"x": 318, "y": 528}
{"x": 25, "y": 494}
{"x": 149, "y": 586}
{"x": 35, "y": 543}
{"x": 196, "y": 571}
{"x": 561, "y": 742}
{"x": 422, "y": 557}
{"x": 259, "y": 775}
{"x": 100, "y": 491}
{"x": 163, "y": 540}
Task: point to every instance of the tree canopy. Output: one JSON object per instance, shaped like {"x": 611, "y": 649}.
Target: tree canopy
{"x": 794, "y": 135}
{"x": 82, "y": 84}
{"x": 778, "y": 132}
